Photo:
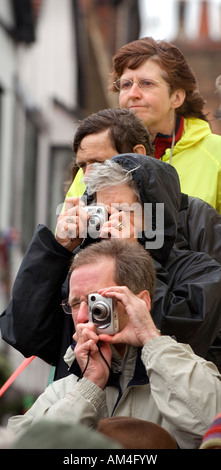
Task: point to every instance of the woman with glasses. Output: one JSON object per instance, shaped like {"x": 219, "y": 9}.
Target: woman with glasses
{"x": 154, "y": 80}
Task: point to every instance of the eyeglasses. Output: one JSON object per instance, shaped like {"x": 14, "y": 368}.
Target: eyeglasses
{"x": 66, "y": 306}
{"x": 125, "y": 84}
{"x": 69, "y": 309}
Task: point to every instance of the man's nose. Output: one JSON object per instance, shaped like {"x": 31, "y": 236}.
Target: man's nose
{"x": 82, "y": 316}
{"x": 87, "y": 170}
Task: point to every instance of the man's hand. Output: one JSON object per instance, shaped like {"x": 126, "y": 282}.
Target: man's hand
{"x": 97, "y": 370}
{"x": 140, "y": 327}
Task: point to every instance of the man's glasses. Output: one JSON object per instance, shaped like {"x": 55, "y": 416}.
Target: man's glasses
{"x": 71, "y": 308}
{"x": 125, "y": 84}
{"x": 66, "y": 306}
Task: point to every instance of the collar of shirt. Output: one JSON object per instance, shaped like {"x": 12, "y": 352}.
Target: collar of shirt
{"x": 164, "y": 141}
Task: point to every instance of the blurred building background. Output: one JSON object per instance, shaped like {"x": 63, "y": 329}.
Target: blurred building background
{"x": 55, "y": 59}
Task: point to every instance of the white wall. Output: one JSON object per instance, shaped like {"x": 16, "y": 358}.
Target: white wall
{"x": 7, "y": 74}
{"x": 47, "y": 68}
{"x": 159, "y": 19}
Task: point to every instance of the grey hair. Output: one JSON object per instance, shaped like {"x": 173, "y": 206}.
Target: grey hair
{"x": 109, "y": 173}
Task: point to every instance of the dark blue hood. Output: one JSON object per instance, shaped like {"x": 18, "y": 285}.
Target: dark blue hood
{"x": 157, "y": 182}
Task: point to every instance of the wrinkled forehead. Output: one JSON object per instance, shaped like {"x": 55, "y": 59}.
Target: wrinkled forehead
{"x": 91, "y": 276}
{"x": 145, "y": 68}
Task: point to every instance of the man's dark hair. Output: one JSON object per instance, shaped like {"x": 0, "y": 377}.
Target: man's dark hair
{"x": 125, "y": 129}
{"x": 134, "y": 266}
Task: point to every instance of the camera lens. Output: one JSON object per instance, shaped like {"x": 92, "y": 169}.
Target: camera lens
{"x": 100, "y": 311}
{"x": 95, "y": 222}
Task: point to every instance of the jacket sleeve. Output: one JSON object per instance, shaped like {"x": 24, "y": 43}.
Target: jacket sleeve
{"x": 33, "y": 321}
{"x": 66, "y": 400}
{"x": 199, "y": 228}
{"x": 187, "y": 302}
{"x": 182, "y": 385}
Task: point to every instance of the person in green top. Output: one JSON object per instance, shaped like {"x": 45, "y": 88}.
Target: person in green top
{"x": 155, "y": 81}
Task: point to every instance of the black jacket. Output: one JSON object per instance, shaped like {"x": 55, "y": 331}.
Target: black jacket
{"x": 199, "y": 229}
{"x": 187, "y": 302}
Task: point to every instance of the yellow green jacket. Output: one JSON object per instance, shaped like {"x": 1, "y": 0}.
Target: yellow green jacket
{"x": 77, "y": 187}
{"x": 197, "y": 159}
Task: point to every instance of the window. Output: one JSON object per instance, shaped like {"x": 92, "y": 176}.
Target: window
{"x": 29, "y": 182}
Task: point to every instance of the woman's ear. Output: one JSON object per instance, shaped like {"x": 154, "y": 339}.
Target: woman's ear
{"x": 144, "y": 295}
{"x": 178, "y": 98}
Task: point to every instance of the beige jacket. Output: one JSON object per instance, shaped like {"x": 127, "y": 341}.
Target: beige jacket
{"x": 183, "y": 394}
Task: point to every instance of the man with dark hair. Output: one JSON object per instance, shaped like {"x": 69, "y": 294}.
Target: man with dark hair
{"x": 101, "y": 136}
{"x": 134, "y": 372}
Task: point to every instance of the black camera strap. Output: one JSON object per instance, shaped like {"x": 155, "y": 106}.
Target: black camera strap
{"x": 88, "y": 358}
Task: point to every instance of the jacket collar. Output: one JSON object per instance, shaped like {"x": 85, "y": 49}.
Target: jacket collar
{"x": 194, "y": 131}
{"x": 164, "y": 141}
{"x": 140, "y": 376}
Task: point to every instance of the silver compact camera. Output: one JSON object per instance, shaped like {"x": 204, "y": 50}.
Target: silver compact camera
{"x": 98, "y": 215}
{"x": 103, "y": 313}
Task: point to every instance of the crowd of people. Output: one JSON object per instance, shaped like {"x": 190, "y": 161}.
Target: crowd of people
{"x": 140, "y": 235}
